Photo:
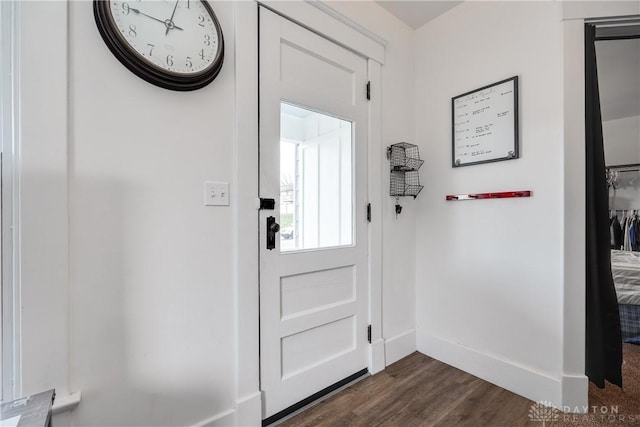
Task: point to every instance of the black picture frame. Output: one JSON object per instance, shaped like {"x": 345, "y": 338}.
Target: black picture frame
{"x": 145, "y": 69}
{"x": 481, "y": 112}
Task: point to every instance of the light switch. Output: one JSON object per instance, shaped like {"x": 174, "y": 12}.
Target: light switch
{"x": 216, "y": 193}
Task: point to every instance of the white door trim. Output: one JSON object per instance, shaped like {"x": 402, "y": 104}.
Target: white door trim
{"x": 376, "y": 348}
{"x": 41, "y": 118}
{"x": 9, "y": 121}
{"x": 574, "y": 202}
{"x": 245, "y": 193}
{"x": 321, "y": 19}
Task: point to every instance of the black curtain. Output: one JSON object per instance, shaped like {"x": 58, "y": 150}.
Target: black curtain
{"x": 604, "y": 338}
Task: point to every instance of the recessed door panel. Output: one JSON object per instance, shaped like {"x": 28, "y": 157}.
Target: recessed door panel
{"x": 312, "y": 291}
{"x": 314, "y": 346}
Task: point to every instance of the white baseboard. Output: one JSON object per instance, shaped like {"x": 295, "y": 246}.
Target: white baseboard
{"x": 518, "y": 379}
{"x": 575, "y": 393}
{"x": 376, "y": 357}
{"x": 399, "y": 346}
{"x": 249, "y": 410}
{"x": 223, "y": 419}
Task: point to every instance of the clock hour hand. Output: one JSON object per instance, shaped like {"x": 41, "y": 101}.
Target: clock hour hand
{"x": 137, "y": 12}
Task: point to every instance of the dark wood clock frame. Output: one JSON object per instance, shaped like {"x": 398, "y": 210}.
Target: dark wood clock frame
{"x": 144, "y": 69}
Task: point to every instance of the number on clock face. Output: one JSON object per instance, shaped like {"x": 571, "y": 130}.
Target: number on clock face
{"x": 177, "y": 36}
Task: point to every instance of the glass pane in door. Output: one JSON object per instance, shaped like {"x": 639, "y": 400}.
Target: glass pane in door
{"x": 316, "y": 180}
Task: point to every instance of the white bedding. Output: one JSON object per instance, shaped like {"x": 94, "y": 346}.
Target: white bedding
{"x": 625, "y": 267}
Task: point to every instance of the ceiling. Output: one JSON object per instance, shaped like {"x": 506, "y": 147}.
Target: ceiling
{"x": 619, "y": 78}
{"x": 418, "y": 12}
{"x": 292, "y": 110}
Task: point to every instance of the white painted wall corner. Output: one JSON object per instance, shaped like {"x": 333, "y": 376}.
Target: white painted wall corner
{"x": 535, "y": 386}
{"x": 376, "y": 356}
{"x": 575, "y": 392}
{"x": 249, "y": 410}
{"x": 399, "y": 346}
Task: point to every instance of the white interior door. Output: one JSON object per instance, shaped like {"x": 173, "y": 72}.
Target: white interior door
{"x": 313, "y": 162}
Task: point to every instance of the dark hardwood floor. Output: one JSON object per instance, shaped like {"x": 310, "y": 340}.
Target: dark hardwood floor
{"x": 419, "y": 391}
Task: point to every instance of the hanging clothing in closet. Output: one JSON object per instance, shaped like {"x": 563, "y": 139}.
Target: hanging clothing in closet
{"x": 627, "y": 237}
{"x": 625, "y": 234}
{"x": 617, "y": 234}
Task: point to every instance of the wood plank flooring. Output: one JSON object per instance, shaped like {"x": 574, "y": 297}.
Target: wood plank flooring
{"x": 419, "y": 391}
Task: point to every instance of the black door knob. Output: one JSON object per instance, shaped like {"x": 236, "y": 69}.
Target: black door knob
{"x": 272, "y": 228}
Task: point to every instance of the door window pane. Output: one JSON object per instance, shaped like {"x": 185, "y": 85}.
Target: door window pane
{"x": 316, "y": 176}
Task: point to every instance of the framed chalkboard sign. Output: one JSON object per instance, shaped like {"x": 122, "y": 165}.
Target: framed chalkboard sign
{"x": 485, "y": 124}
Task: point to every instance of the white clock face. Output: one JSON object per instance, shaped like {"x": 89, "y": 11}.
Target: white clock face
{"x": 179, "y": 36}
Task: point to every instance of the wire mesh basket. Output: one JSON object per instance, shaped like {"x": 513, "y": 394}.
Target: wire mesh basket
{"x": 405, "y": 162}
{"x": 404, "y": 157}
{"x": 405, "y": 184}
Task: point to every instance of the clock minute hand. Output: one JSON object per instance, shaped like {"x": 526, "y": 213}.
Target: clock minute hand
{"x": 171, "y": 19}
{"x": 136, "y": 11}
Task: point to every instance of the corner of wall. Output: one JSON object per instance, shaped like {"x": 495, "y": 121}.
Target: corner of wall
{"x": 248, "y": 410}
{"x": 575, "y": 393}
{"x": 399, "y": 346}
{"x": 575, "y": 387}
{"x": 376, "y": 357}
{"x": 533, "y": 385}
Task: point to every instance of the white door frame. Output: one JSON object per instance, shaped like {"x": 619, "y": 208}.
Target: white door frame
{"x": 575, "y": 385}
{"x": 320, "y": 19}
{"x": 10, "y": 336}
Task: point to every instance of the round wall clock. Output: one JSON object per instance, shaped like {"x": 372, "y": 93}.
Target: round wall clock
{"x": 176, "y": 45}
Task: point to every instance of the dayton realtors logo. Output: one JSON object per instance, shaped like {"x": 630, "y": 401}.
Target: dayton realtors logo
{"x": 543, "y": 411}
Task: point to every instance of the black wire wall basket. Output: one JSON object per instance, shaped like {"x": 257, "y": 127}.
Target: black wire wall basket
{"x": 404, "y": 161}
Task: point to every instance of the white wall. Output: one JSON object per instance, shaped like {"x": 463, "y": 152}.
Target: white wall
{"x": 128, "y": 271}
{"x": 622, "y": 146}
{"x": 489, "y": 274}
{"x": 587, "y": 9}
{"x": 398, "y": 275}
{"x": 621, "y": 140}
{"x": 626, "y": 195}
{"x": 151, "y": 283}
{"x": 42, "y": 264}
{"x": 127, "y": 291}
{"x": 130, "y": 284}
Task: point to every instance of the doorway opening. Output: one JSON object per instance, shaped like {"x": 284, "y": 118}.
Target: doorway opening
{"x": 613, "y": 123}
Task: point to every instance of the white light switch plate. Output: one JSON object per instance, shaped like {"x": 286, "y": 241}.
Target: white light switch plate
{"x": 216, "y": 193}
